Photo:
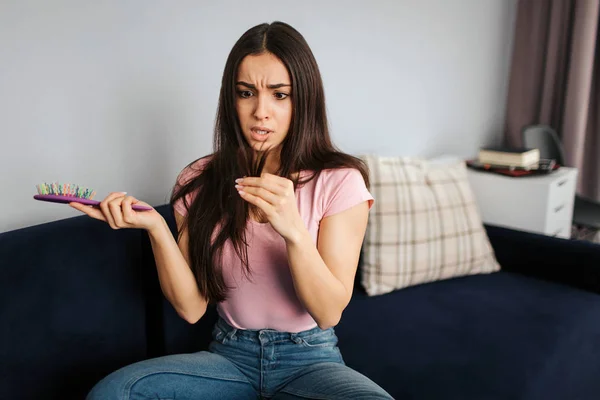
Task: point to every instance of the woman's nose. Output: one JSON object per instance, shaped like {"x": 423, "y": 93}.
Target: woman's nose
{"x": 261, "y": 111}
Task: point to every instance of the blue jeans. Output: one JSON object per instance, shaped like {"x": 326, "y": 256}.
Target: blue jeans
{"x": 245, "y": 364}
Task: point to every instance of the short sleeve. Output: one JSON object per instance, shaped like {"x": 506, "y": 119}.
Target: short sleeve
{"x": 343, "y": 189}
{"x": 184, "y": 177}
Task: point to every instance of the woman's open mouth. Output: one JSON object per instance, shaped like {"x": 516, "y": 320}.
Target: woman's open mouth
{"x": 260, "y": 134}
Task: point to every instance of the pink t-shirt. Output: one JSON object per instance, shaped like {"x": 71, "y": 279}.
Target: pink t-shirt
{"x": 268, "y": 300}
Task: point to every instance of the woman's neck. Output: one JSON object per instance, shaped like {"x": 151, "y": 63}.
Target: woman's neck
{"x": 272, "y": 164}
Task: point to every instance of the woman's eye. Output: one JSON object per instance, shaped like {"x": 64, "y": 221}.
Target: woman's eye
{"x": 244, "y": 93}
{"x": 281, "y": 96}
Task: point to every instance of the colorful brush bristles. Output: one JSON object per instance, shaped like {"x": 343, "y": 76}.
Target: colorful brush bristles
{"x": 67, "y": 189}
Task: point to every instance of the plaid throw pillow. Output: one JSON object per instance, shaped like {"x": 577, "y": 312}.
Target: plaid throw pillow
{"x": 424, "y": 225}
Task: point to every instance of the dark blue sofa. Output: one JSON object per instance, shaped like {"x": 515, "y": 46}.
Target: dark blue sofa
{"x": 79, "y": 300}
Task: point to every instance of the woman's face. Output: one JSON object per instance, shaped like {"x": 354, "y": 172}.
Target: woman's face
{"x": 263, "y": 101}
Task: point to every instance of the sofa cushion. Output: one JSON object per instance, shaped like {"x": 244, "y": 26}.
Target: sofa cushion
{"x": 72, "y": 307}
{"x": 424, "y": 225}
{"x": 495, "y": 336}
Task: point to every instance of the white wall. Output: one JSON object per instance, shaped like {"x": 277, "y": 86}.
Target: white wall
{"x": 120, "y": 95}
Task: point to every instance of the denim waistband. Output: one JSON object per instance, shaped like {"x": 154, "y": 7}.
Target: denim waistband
{"x": 271, "y": 335}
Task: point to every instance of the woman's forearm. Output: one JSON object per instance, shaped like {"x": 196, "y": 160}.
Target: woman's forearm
{"x": 177, "y": 280}
{"x": 319, "y": 290}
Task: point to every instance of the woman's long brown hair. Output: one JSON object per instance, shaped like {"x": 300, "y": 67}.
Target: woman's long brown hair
{"x": 218, "y": 213}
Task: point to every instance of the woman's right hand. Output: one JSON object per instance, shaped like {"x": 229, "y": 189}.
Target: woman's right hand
{"x": 116, "y": 211}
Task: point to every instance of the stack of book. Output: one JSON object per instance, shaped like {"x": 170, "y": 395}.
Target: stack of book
{"x": 509, "y": 157}
{"x": 512, "y": 161}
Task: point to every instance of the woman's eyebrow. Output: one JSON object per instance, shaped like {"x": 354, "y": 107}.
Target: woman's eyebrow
{"x": 274, "y": 86}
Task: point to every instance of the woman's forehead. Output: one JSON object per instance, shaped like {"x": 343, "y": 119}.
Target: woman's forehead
{"x": 264, "y": 68}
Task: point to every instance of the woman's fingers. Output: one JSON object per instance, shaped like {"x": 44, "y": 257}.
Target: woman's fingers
{"x": 106, "y": 209}
{"x": 129, "y": 215}
{"x": 89, "y": 210}
{"x": 257, "y": 201}
{"x": 272, "y": 183}
{"x": 263, "y": 193}
{"x": 116, "y": 212}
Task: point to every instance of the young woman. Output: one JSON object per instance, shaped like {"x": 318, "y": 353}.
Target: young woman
{"x": 270, "y": 229}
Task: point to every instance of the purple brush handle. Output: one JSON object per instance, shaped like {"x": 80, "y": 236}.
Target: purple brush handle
{"x": 72, "y": 199}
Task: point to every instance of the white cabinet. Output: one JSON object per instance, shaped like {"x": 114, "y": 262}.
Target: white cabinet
{"x": 541, "y": 204}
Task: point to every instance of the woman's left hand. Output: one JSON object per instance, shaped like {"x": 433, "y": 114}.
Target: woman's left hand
{"x": 275, "y": 196}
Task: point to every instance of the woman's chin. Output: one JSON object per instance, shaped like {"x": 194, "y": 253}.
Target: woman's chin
{"x": 262, "y": 146}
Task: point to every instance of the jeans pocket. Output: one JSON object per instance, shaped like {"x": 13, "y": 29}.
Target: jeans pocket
{"x": 325, "y": 339}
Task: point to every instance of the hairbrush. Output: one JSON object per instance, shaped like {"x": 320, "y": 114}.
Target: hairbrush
{"x": 67, "y": 193}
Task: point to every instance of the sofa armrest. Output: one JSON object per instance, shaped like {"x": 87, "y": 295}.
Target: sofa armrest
{"x": 572, "y": 262}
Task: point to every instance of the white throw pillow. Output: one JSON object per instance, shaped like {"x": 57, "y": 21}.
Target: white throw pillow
{"x": 424, "y": 225}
